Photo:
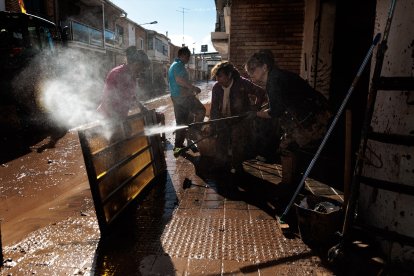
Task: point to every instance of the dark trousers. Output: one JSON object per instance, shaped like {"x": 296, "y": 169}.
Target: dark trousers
{"x": 187, "y": 110}
{"x": 236, "y": 137}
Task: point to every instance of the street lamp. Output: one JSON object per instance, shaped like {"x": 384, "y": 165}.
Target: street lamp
{"x": 153, "y": 22}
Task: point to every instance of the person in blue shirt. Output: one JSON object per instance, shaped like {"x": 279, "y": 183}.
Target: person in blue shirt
{"x": 187, "y": 108}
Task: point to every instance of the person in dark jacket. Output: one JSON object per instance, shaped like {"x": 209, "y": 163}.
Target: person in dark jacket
{"x": 233, "y": 95}
{"x": 302, "y": 111}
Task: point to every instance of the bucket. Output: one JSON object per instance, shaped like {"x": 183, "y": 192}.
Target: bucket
{"x": 319, "y": 218}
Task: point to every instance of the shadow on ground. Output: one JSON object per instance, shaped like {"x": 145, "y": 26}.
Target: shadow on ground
{"x": 16, "y": 143}
{"x": 133, "y": 245}
{"x": 270, "y": 197}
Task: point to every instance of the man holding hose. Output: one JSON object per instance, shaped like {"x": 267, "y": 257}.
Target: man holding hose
{"x": 233, "y": 95}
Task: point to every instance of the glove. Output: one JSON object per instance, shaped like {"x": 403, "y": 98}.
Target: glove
{"x": 196, "y": 90}
{"x": 250, "y": 115}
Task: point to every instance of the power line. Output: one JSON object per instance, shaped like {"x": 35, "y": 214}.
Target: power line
{"x": 183, "y": 10}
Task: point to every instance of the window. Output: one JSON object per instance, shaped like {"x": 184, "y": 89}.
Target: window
{"x": 140, "y": 43}
{"x": 161, "y": 47}
{"x": 34, "y": 39}
{"x": 158, "y": 45}
{"x": 46, "y": 39}
{"x": 119, "y": 31}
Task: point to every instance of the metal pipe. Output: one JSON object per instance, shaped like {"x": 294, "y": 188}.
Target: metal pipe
{"x": 176, "y": 154}
{"x": 217, "y": 120}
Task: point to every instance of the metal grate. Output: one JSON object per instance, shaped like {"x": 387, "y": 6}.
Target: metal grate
{"x": 230, "y": 239}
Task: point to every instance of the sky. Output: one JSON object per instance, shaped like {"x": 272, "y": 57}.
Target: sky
{"x": 199, "y": 17}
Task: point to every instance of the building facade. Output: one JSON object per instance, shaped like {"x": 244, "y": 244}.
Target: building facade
{"x": 102, "y": 31}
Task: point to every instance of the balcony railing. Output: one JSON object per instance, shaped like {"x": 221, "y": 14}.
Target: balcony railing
{"x": 113, "y": 39}
{"x": 110, "y": 38}
{"x": 86, "y": 34}
{"x": 93, "y": 36}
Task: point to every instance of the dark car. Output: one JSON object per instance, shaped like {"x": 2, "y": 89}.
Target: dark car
{"x": 27, "y": 54}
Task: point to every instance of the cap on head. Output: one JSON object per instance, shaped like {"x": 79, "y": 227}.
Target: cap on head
{"x": 134, "y": 55}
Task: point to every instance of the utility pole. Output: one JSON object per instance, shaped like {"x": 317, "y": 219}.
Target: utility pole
{"x": 183, "y": 10}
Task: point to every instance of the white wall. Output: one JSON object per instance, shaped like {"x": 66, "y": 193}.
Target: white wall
{"x": 393, "y": 114}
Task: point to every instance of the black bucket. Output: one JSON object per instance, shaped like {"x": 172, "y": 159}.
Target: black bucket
{"x": 319, "y": 219}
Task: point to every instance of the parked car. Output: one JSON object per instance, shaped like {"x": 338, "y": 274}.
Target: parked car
{"x": 28, "y": 54}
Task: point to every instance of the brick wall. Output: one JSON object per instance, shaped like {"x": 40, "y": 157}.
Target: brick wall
{"x": 267, "y": 24}
{"x": 12, "y": 5}
{"x": 50, "y": 10}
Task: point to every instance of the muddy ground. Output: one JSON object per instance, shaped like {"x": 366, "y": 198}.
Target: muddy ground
{"x": 46, "y": 184}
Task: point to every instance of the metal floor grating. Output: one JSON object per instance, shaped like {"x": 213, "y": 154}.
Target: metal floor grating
{"x": 231, "y": 240}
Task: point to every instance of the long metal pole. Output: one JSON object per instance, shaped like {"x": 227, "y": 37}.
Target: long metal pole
{"x": 183, "y": 11}
{"x": 216, "y": 120}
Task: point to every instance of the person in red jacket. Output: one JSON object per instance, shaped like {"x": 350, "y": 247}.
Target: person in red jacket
{"x": 120, "y": 91}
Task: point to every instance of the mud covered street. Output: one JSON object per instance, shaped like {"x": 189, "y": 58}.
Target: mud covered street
{"x": 44, "y": 186}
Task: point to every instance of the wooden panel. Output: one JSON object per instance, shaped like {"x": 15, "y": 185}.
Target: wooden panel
{"x": 101, "y": 136}
{"x": 113, "y": 180}
{"x": 120, "y": 162}
{"x": 128, "y": 192}
{"x": 115, "y": 154}
{"x": 135, "y": 127}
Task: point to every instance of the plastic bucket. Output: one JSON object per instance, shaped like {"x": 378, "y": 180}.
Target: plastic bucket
{"x": 319, "y": 218}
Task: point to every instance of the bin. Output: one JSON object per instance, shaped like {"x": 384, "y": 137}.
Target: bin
{"x": 319, "y": 227}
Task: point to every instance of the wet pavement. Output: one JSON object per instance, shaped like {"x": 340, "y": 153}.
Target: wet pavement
{"x": 193, "y": 220}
